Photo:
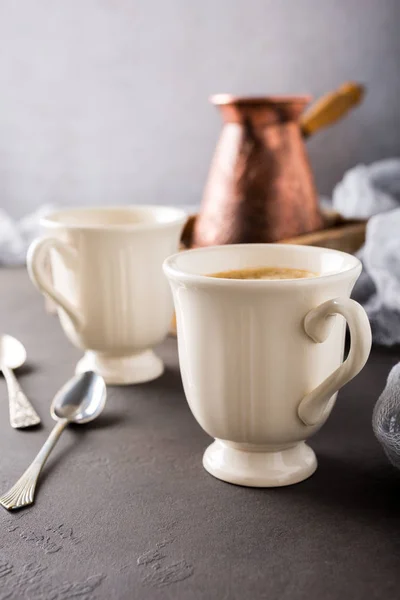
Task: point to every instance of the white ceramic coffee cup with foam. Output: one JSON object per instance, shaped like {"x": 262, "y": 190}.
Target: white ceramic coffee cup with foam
{"x": 107, "y": 282}
{"x": 262, "y": 360}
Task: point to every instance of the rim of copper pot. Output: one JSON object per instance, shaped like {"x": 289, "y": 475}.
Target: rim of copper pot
{"x": 226, "y": 99}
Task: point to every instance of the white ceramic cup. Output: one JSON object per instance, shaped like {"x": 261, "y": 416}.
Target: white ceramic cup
{"x": 262, "y": 360}
{"x": 107, "y": 282}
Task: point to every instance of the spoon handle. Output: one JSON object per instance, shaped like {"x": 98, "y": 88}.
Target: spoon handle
{"x": 23, "y": 492}
{"x": 22, "y": 413}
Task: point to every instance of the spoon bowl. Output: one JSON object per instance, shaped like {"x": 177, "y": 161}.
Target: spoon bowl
{"x": 81, "y": 399}
{"x": 12, "y": 352}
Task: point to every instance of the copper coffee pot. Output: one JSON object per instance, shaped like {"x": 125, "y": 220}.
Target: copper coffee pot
{"x": 260, "y": 187}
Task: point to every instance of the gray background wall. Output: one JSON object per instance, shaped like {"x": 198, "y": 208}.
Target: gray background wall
{"x": 105, "y": 101}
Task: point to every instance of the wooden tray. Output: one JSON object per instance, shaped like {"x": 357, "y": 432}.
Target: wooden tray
{"x": 338, "y": 233}
{"x": 347, "y": 235}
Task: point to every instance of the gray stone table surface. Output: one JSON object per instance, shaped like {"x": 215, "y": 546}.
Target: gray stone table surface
{"x": 125, "y": 510}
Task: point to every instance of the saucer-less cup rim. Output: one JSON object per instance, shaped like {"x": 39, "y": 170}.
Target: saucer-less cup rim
{"x": 148, "y": 217}
{"x": 175, "y": 270}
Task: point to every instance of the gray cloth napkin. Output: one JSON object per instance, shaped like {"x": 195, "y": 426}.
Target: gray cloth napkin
{"x": 374, "y": 191}
{"x": 15, "y": 236}
{"x": 368, "y": 190}
{"x": 379, "y": 287}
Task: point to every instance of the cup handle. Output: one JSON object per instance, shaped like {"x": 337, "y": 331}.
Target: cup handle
{"x": 318, "y": 324}
{"x": 40, "y": 277}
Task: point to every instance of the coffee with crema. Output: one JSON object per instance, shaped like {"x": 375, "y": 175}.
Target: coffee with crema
{"x": 264, "y": 273}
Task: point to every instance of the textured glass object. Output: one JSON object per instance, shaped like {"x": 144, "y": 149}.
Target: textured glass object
{"x": 386, "y": 417}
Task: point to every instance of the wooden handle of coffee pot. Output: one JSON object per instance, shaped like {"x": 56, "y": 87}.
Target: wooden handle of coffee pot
{"x": 331, "y": 107}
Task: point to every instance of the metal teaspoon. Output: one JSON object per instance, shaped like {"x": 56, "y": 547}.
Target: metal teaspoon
{"x": 12, "y": 356}
{"x": 80, "y": 400}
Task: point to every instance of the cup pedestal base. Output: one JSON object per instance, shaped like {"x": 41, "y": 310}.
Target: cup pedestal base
{"x": 235, "y": 463}
{"x": 123, "y": 370}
